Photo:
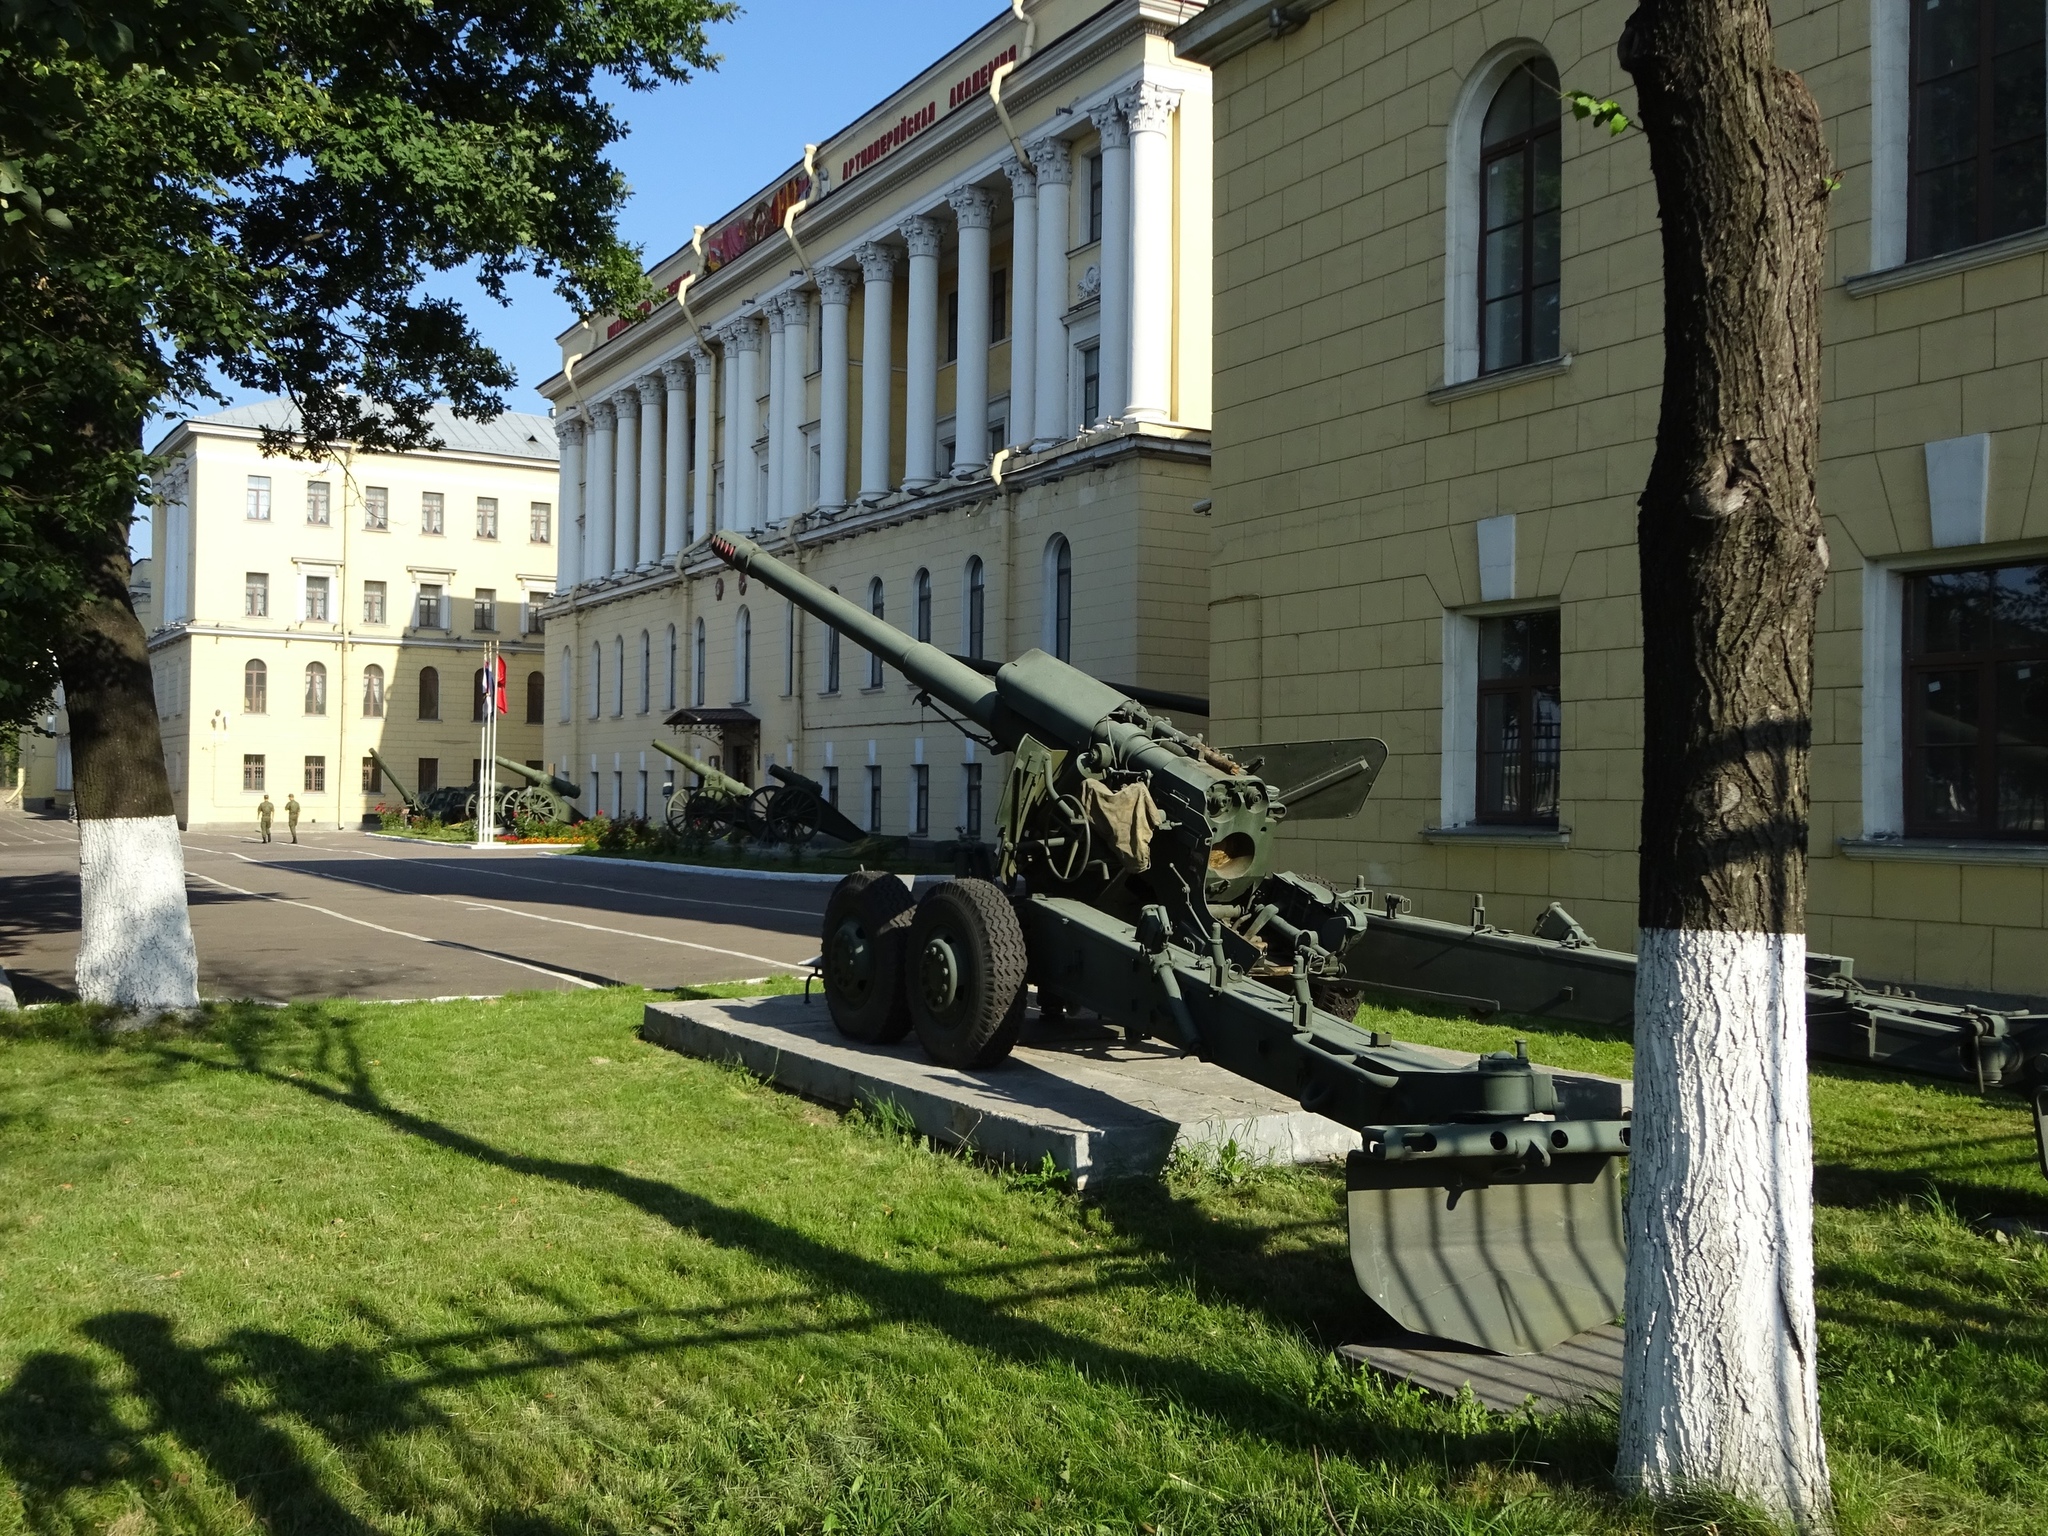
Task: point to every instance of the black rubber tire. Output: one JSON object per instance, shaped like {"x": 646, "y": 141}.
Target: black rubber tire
{"x": 867, "y": 924}
{"x": 963, "y": 974}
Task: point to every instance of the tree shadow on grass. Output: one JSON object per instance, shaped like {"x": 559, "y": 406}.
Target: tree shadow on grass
{"x": 1574, "y": 1450}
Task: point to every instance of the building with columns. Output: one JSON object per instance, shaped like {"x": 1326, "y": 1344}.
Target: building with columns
{"x": 1439, "y": 342}
{"x": 956, "y": 365}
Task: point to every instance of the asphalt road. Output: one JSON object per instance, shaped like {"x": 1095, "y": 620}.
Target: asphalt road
{"x": 344, "y": 914}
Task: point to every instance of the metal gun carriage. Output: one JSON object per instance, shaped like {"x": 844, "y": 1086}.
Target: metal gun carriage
{"x": 789, "y": 812}
{"x": 540, "y": 796}
{"x": 1136, "y": 880}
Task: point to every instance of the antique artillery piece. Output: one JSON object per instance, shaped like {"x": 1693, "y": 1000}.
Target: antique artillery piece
{"x": 541, "y": 797}
{"x": 1136, "y": 880}
{"x": 790, "y": 811}
{"x": 445, "y": 803}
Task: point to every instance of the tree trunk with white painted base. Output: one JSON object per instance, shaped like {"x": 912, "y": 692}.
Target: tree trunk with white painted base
{"x": 135, "y": 935}
{"x": 1720, "y": 1384}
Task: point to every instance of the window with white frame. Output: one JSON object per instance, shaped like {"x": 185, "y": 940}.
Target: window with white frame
{"x": 376, "y": 508}
{"x": 256, "y": 499}
{"x": 1059, "y": 597}
{"x": 697, "y": 667}
{"x": 618, "y": 676}
{"x": 540, "y": 521}
{"x": 375, "y": 594}
{"x": 433, "y": 512}
{"x": 319, "y": 503}
{"x": 316, "y": 599}
{"x": 921, "y": 605}
{"x": 316, "y": 688}
{"x": 646, "y": 672}
{"x": 1978, "y": 123}
{"x": 669, "y": 692}
{"x": 1502, "y": 718}
{"x": 875, "y": 606}
{"x": 920, "y": 800}
{"x": 974, "y": 609}
{"x": 256, "y": 595}
{"x": 743, "y": 657}
{"x": 596, "y": 681}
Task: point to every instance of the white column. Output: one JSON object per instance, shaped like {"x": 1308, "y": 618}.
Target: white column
{"x": 778, "y": 409}
{"x": 1151, "y": 379}
{"x": 796, "y": 348}
{"x": 675, "y": 516}
{"x": 568, "y": 506}
{"x": 742, "y": 475}
{"x": 599, "y": 477}
{"x": 921, "y": 389}
{"x": 835, "y": 294}
{"x": 729, "y": 432}
{"x": 1023, "y": 302}
{"x": 649, "y": 551}
{"x": 702, "y": 454}
{"x": 1116, "y": 255}
{"x": 1053, "y": 160}
{"x": 626, "y": 487}
{"x": 974, "y": 210}
{"x": 877, "y": 366}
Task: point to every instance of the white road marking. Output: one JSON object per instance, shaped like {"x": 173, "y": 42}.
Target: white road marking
{"x": 400, "y": 933}
{"x": 476, "y": 906}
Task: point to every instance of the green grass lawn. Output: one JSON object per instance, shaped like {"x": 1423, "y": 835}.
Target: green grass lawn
{"x": 502, "y": 1267}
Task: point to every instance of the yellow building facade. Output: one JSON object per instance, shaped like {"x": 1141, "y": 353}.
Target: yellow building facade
{"x": 1438, "y": 358}
{"x": 955, "y": 365}
{"x": 305, "y": 614}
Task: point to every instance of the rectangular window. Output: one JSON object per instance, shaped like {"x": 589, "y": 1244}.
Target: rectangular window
{"x": 373, "y": 777}
{"x": 487, "y": 517}
{"x": 1091, "y": 384}
{"x": 1095, "y": 197}
{"x": 486, "y": 609}
{"x": 376, "y": 507}
{"x": 618, "y": 794}
{"x": 1979, "y": 123}
{"x": 316, "y": 599}
{"x": 643, "y": 794}
{"x": 1519, "y": 719}
{"x": 1977, "y": 703}
{"x": 373, "y": 602}
{"x": 318, "y": 508}
{"x": 874, "y": 798}
{"x": 831, "y": 661}
{"x": 316, "y": 776}
{"x": 831, "y": 785}
{"x": 256, "y": 595}
{"x": 953, "y": 326}
{"x": 999, "y": 304}
{"x": 920, "y": 800}
{"x": 433, "y": 510}
{"x": 540, "y": 525}
{"x": 429, "y": 616}
{"x": 258, "y": 502}
{"x": 429, "y": 774}
{"x": 973, "y": 808}
{"x": 252, "y": 770}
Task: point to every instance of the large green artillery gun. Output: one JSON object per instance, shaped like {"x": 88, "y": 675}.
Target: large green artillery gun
{"x": 447, "y": 803}
{"x": 534, "y": 794}
{"x": 1136, "y": 880}
{"x": 790, "y": 812}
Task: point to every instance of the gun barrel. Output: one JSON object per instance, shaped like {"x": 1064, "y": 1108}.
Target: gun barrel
{"x": 958, "y": 686}
{"x": 396, "y": 783}
{"x": 716, "y": 782}
{"x": 532, "y": 775}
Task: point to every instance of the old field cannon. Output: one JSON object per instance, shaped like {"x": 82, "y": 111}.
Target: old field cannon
{"x": 1136, "y": 880}
{"x": 447, "y": 803}
{"x": 542, "y": 796}
{"x": 789, "y": 812}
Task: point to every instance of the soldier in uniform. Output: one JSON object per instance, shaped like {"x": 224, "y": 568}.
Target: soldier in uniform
{"x": 264, "y": 811}
{"x": 291, "y": 814}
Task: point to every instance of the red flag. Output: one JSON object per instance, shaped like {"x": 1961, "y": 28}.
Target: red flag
{"x": 503, "y": 707}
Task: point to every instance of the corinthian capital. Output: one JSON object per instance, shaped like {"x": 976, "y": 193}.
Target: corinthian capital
{"x": 569, "y": 431}
{"x": 973, "y": 208}
{"x": 1108, "y": 118}
{"x": 1023, "y": 184}
{"x": 877, "y": 262}
{"x": 835, "y": 284}
{"x": 602, "y": 417}
{"x": 1053, "y": 160}
{"x": 921, "y": 235}
{"x": 650, "y": 387}
{"x": 1150, "y": 107}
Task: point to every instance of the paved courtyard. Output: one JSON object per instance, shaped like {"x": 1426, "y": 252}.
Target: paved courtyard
{"x": 344, "y": 914}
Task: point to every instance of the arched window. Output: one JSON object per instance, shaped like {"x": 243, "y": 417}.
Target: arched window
{"x": 1520, "y": 173}
{"x": 646, "y": 672}
{"x": 316, "y": 687}
{"x": 742, "y": 657}
{"x": 618, "y": 676}
{"x": 1501, "y": 215}
{"x": 670, "y": 695}
{"x": 536, "y": 697}
{"x": 430, "y": 694}
{"x": 697, "y": 668}
{"x": 479, "y": 695}
{"x": 1059, "y": 597}
{"x": 875, "y": 607}
{"x": 373, "y": 692}
{"x": 921, "y": 604}
{"x": 596, "y": 684}
{"x": 568, "y": 683}
{"x": 973, "y": 631}
{"x": 255, "y": 688}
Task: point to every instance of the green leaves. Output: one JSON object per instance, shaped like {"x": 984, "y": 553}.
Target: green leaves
{"x": 1601, "y": 114}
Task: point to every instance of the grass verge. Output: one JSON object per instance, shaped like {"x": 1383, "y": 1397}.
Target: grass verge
{"x": 500, "y": 1266}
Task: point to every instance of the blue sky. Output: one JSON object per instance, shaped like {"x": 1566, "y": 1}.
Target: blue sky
{"x": 794, "y": 71}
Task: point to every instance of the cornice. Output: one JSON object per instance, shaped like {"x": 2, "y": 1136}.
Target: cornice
{"x": 169, "y": 636}
{"x": 1227, "y": 28}
{"x": 190, "y": 431}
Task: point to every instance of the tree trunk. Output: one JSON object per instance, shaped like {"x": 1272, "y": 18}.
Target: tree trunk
{"x": 1719, "y": 1389}
{"x": 135, "y": 936}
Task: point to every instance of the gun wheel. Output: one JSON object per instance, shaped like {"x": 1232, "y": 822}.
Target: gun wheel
{"x": 965, "y": 974}
{"x": 532, "y": 802}
{"x": 866, "y": 922}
